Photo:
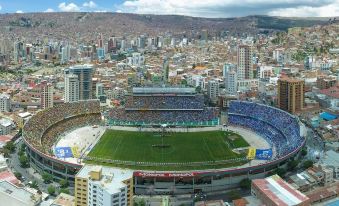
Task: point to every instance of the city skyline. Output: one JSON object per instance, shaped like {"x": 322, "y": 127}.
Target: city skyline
{"x": 209, "y": 8}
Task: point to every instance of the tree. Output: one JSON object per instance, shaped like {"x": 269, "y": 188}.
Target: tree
{"x": 20, "y": 153}
{"x": 280, "y": 171}
{"x": 292, "y": 164}
{"x": 304, "y": 152}
{"x": 34, "y": 185}
{"x": 63, "y": 183}
{"x": 23, "y": 161}
{"x": 233, "y": 195}
{"x": 6, "y": 152}
{"x": 18, "y": 175}
{"x": 51, "y": 190}
{"x": 64, "y": 190}
{"x": 10, "y": 146}
{"x": 307, "y": 164}
{"x": 140, "y": 203}
{"x": 23, "y": 147}
{"x": 245, "y": 183}
{"x": 47, "y": 177}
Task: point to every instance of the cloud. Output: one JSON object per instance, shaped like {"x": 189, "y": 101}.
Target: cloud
{"x": 100, "y": 11}
{"x": 89, "y": 4}
{"x": 49, "y": 10}
{"x": 329, "y": 10}
{"x": 0, "y": 7}
{"x": 19, "y": 12}
{"x": 223, "y": 8}
{"x": 118, "y": 11}
{"x": 71, "y": 7}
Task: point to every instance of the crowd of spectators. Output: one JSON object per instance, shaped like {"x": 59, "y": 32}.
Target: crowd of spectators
{"x": 278, "y": 127}
{"x": 36, "y": 126}
{"x": 164, "y": 116}
{"x": 165, "y": 102}
{"x": 51, "y": 135}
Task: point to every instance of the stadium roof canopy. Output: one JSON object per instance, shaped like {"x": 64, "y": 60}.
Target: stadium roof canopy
{"x": 279, "y": 191}
{"x": 163, "y": 90}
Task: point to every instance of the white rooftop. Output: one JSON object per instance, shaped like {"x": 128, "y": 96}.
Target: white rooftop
{"x": 12, "y": 194}
{"x": 5, "y": 122}
{"x": 24, "y": 114}
{"x": 111, "y": 179}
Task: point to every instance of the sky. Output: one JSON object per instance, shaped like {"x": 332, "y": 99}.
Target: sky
{"x": 198, "y": 8}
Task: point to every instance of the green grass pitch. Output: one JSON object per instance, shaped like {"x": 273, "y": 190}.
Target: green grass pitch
{"x": 180, "y": 147}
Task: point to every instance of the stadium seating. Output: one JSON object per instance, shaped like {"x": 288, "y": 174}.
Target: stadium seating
{"x": 165, "y": 102}
{"x": 279, "y": 128}
{"x": 170, "y": 116}
{"x": 39, "y": 129}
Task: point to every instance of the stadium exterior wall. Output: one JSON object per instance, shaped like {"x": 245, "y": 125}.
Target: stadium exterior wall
{"x": 214, "y": 180}
{"x": 57, "y": 168}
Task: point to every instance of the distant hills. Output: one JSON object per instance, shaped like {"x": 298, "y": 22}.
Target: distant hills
{"x": 71, "y": 24}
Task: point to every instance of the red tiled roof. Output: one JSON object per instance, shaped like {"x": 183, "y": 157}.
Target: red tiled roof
{"x": 276, "y": 194}
{"x": 9, "y": 177}
{"x": 5, "y": 138}
{"x": 331, "y": 92}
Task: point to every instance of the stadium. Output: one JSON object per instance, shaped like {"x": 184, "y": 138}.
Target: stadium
{"x": 168, "y": 137}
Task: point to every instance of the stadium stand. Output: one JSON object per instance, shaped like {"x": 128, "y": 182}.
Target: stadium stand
{"x": 43, "y": 129}
{"x": 278, "y": 127}
{"x": 172, "y": 106}
{"x": 165, "y": 102}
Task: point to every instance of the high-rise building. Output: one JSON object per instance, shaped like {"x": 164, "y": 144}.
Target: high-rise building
{"x": 291, "y": 94}
{"x": 46, "y": 90}
{"x": 231, "y": 81}
{"x": 17, "y": 51}
{"x": 213, "y": 90}
{"x": 103, "y": 186}
{"x": 245, "y": 62}
{"x": 100, "y": 41}
{"x": 165, "y": 70}
{"x": 84, "y": 73}
{"x": 99, "y": 90}
{"x": 141, "y": 41}
{"x": 136, "y": 59}
{"x": 5, "y": 103}
{"x": 101, "y": 53}
{"x": 111, "y": 45}
{"x": 204, "y": 35}
{"x": 71, "y": 88}
{"x": 65, "y": 54}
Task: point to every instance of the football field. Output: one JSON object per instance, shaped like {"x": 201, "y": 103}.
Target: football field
{"x": 174, "y": 147}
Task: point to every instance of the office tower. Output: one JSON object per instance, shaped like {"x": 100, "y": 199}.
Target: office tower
{"x": 46, "y": 90}
{"x": 103, "y": 186}
{"x": 84, "y": 73}
{"x": 99, "y": 90}
{"x": 231, "y": 81}
{"x": 141, "y": 42}
{"x": 123, "y": 44}
{"x": 213, "y": 90}
{"x": 204, "y": 35}
{"x": 111, "y": 45}
{"x": 17, "y": 51}
{"x": 100, "y": 41}
{"x": 291, "y": 94}
{"x": 245, "y": 63}
{"x": 101, "y": 53}
{"x": 165, "y": 70}
{"x": 65, "y": 54}
{"x": 71, "y": 88}
{"x": 5, "y": 103}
